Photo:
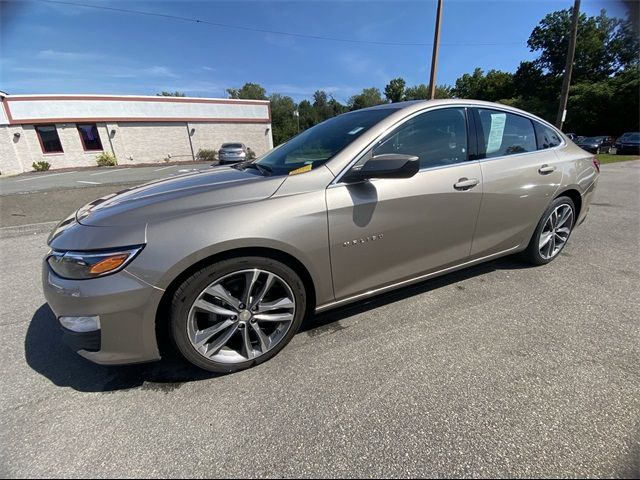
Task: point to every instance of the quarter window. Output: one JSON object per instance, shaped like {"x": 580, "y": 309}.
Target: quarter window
{"x": 547, "y": 138}
{"x": 437, "y": 138}
{"x": 89, "y": 136}
{"x": 506, "y": 133}
{"x": 49, "y": 140}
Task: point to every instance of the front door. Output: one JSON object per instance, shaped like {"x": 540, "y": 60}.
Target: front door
{"x": 384, "y": 231}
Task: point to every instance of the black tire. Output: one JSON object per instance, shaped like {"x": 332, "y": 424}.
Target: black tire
{"x": 187, "y": 293}
{"x": 532, "y": 253}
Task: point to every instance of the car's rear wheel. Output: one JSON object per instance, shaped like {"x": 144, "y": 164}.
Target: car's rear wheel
{"x": 552, "y": 233}
{"x": 237, "y": 313}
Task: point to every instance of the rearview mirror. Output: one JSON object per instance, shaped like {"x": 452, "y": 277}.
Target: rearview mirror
{"x": 388, "y": 165}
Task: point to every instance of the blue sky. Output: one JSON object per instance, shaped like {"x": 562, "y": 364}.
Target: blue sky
{"x": 53, "y": 48}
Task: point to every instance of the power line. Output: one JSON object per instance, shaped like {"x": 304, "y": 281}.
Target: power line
{"x": 273, "y": 32}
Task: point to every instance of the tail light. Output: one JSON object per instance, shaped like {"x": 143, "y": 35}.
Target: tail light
{"x": 596, "y": 164}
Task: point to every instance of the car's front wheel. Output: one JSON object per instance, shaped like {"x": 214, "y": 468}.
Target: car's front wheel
{"x": 552, "y": 233}
{"x": 237, "y": 313}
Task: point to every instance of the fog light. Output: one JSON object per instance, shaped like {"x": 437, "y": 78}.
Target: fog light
{"x": 81, "y": 324}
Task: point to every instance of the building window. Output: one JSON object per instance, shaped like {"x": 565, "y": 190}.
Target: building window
{"x": 49, "y": 140}
{"x": 89, "y": 136}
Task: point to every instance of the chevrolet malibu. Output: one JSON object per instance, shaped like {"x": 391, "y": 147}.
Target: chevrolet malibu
{"x": 228, "y": 262}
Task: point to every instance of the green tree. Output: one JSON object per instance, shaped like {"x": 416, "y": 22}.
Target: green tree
{"x": 369, "y": 97}
{"x": 394, "y": 91}
{"x": 604, "y": 45}
{"x": 283, "y": 120}
{"x": 337, "y": 108}
{"x": 497, "y": 85}
{"x": 470, "y": 85}
{"x": 321, "y": 108}
{"x": 417, "y": 92}
{"x": 170, "y": 94}
{"x": 609, "y": 106}
{"x": 307, "y": 115}
{"x": 421, "y": 92}
{"x": 249, "y": 91}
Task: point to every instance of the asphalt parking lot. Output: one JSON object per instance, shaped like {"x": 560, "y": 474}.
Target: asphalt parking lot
{"x": 497, "y": 371}
{"x": 44, "y": 197}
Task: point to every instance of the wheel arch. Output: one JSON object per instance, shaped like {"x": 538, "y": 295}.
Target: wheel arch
{"x": 574, "y": 194}
{"x": 164, "y": 306}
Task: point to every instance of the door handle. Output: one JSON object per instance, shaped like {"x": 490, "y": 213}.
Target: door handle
{"x": 466, "y": 183}
{"x": 546, "y": 169}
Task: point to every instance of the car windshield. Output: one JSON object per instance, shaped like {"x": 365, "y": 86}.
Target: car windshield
{"x": 232, "y": 145}
{"x": 319, "y": 144}
{"x": 631, "y": 137}
{"x": 592, "y": 139}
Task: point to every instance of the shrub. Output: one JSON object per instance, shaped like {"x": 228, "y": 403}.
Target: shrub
{"x": 106, "y": 159}
{"x": 250, "y": 154}
{"x": 206, "y": 155}
{"x": 41, "y": 166}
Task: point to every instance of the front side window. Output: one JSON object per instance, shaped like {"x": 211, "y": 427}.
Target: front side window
{"x": 319, "y": 144}
{"x": 49, "y": 140}
{"x": 437, "y": 138}
{"x": 547, "y": 137}
{"x": 89, "y": 136}
{"x": 506, "y": 133}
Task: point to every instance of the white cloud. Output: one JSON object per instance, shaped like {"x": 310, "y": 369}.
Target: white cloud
{"x": 59, "y": 55}
{"x": 42, "y": 71}
{"x": 158, "y": 71}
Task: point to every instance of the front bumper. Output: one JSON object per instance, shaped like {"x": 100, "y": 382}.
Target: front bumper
{"x": 127, "y": 309}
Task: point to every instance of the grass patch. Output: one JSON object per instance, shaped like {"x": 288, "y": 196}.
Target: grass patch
{"x": 607, "y": 158}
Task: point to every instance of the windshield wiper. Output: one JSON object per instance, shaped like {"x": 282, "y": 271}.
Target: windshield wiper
{"x": 263, "y": 169}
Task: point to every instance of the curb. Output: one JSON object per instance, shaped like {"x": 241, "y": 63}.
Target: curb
{"x": 29, "y": 229}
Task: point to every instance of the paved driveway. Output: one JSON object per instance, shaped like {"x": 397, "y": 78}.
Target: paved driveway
{"x": 498, "y": 370}
{"x": 87, "y": 177}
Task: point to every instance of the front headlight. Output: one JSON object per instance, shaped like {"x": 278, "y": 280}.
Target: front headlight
{"x": 84, "y": 265}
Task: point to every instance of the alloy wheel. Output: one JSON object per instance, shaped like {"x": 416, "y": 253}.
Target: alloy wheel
{"x": 241, "y": 316}
{"x": 556, "y": 231}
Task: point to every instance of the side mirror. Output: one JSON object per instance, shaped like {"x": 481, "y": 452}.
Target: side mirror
{"x": 388, "y": 165}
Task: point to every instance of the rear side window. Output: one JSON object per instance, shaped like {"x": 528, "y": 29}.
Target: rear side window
{"x": 547, "y": 137}
{"x": 437, "y": 138}
{"x": 506, "y": 133}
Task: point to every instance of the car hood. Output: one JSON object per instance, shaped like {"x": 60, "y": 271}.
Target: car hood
{"x": 194, "y": 192}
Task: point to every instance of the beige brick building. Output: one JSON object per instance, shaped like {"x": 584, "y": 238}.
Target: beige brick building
{"x": 70, "y": 130}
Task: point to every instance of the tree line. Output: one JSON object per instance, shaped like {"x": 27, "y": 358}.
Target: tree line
{"x": 603, "y": 98}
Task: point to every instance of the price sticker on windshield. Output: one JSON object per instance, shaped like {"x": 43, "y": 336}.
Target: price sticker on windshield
{"x": 306, "y": 168}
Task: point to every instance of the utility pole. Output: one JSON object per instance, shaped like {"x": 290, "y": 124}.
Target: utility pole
{"x": 296, "y": 114}
{"x": 566, "y": 82}
{"x": 434, "y": 56}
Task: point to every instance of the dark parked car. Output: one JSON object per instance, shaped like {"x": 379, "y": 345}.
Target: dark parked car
{"x": 232, "y": 153}
{"x": 628, "y": 143}
{"x": 600, "y": 144}
{"x": 572, "y": 136}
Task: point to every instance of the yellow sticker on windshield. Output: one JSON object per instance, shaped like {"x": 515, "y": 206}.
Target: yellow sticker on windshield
{"x": 306, "y": 168}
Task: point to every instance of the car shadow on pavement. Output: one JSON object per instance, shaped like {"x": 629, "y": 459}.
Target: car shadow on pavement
{"x": 48, "y": 355}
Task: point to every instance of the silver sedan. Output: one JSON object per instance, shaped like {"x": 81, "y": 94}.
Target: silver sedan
{"x": 228, "y": 262}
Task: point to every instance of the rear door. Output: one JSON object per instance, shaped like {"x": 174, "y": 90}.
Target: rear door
{"x": 385, "y": 231}
{"x": 520, "y": 174}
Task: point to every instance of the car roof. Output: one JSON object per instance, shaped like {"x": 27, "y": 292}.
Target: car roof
{"x": 421, "y": 104}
